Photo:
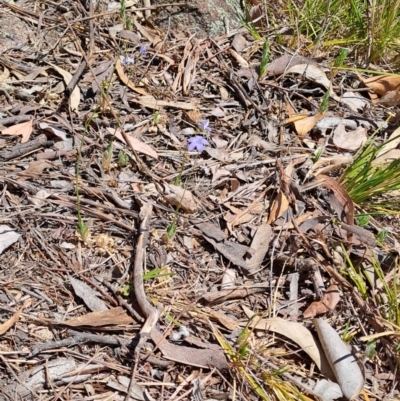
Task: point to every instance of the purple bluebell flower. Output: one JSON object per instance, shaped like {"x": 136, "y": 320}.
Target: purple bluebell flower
{"x": 197, "y": 142}
{"x": 142, "y": 50}
{"x": 128, "y": 60}
{"x": 205, "y": 126}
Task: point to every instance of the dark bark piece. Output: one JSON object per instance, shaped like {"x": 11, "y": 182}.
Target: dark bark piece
{"x": 23, "y": 148}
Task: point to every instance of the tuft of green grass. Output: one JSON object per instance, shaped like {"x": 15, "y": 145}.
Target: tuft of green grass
{"x": 373, "y": 27}
{"x": 265, "y": 57}
{"x": 365, "y": 180}
{"x": 387, "y": 302}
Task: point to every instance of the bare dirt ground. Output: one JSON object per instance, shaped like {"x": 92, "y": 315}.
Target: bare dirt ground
{"x": 167, "y": 232}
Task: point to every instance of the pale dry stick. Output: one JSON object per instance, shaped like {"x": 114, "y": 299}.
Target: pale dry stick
{"x": 149, "y": 312}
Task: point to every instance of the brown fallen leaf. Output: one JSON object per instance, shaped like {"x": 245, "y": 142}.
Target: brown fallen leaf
{"x": 113, "y": 316}
{"x": 260, "y": 244}
{"x": 341, "y": 195}
{"x": 349, "y": 140}
{"x": 75, "y": 97}
{"x": 279, "y": 206}
{"x": 36, "y": 168}
{"x": 295, "y": 332}
{"x": 135, "y": 143}
{"x": 178, "y": 196}
{"x": 200, "y": 357}
{"x": 305, "y": 125}
{"x": 382, "y": 84}
{"x": 391, "y": 143}
{"x": 23, "y": 129}
{"x": 390, "y": 99}
{"x": 326, "y": 304}
{"x": 152, "y": 103}
{"x": 4, "y": 327}
{"x": 231, "y": 293}
{"x": 125, "y": 79}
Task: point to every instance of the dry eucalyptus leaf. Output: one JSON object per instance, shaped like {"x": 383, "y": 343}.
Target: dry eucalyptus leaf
{"x": 355, "y": 101}
{"x": 279, "y": 206}
{"x": 351, "y": 140}
{"x": 135, "y": 144}
{"x": 204, "y": 358}
{"x": 4, "y": 327}
{"x": 298, "y": 334}
{"x": 382, "y": 84}
{"x": 387, "y": 157}
{"x": 315, "y": 74}
{"x": 181, "y": 197}
{"x": 110, "y": 317}
{"x": 23, "y": 129}
{"x": 392, "y": 143}
{"x": 7, "y": 237}
{"x": 305, "y": 125}
{"x": 75, "y": 97}
{"x": 343, "y": 363}
{"x": 88, "y": 295}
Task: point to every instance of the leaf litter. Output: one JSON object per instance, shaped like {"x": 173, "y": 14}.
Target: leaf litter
{"x": 244, "y": 246}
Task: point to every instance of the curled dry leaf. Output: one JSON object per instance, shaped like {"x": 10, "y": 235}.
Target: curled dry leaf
{"x": 10, "y": 322}
{"x": 279, "y": 206}
{"x": 178, "y": 196}
{"x": 315, "y": 74}
{"x": 343, "y": 363}
{"x": 382, "y": 84}
{"x": 204, "y": 358}
{"x": 305, "y": 125}
{"x": 75, "y": 97}
{"x": 113, "y": 316}
{"x": 88, "y": 295}
{"x": 298, "y": 334}
{"x": 7, "y": 237}
{"x": 387, "y": 158}
{"x": 392, "y": 143}
{"x": 135, "y": 144}
{"x": 349, "y": 140}
{"x": 23, "y": 129}
{"x": 125, "y": 79}
{"x": 326, "y": 304}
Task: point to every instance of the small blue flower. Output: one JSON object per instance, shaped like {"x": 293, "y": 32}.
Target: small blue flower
{"x": 205, "y": 126}
{"x": 142, "y": 50}
{"x": 128, "y": 60}
{"x": 198, "y": 143}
